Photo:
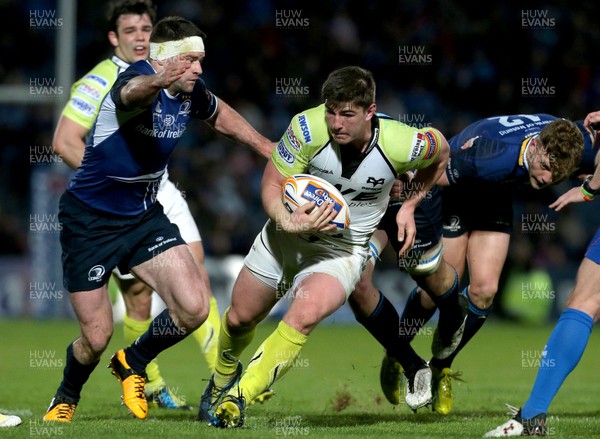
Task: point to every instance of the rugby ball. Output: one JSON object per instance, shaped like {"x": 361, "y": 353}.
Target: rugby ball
{"x": 300, "y": 189}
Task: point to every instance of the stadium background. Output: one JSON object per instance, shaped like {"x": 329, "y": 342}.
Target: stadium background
{"x": 435, "y": 63}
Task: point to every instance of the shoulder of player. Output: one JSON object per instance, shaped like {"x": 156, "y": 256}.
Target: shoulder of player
{"x": 408, "y": 147}
{"x": 101, "y": 77}
{"x": 309, "y": 127}
{"x": 89, "y": 91}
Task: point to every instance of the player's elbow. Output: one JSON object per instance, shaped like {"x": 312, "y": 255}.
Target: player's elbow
{"x": 444, "y": 153}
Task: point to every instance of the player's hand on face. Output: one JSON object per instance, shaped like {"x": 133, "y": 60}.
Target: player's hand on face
{"x": 310, "y": 219}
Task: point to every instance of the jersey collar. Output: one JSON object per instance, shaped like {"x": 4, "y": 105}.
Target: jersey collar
{"x": 374, "y": 134}
{"x": 523, "y": 154}
{"x": 119, "y": 62}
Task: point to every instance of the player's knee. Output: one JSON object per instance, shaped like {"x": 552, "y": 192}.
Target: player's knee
{"x": 481, "y": 294}
{"x": 304, "y": 321}
{"x": 191, "y": 316}
{"x": 584, "y": 302}
{"x": 361, "y": 292}
{"x": 97, "y": 341}
{"x": 241, "y": 319}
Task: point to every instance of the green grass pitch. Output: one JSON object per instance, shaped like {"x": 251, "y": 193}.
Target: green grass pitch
{"x": 332, "y": 392}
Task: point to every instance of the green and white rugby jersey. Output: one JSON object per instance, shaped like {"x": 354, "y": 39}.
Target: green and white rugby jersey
{"x": 89, "y": 91}
{"x": 366, "y": 180}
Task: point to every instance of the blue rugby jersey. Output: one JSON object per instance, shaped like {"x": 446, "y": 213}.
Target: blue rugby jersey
{"x": 587, "y": 166}
{"x": 498, "y": 147}
{"x": 128, "y": 150}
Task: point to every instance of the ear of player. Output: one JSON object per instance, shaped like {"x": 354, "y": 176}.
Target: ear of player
{"x": 300, "y": 189}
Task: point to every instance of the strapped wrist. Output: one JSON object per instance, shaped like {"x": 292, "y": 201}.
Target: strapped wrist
{"x": 588, "y": 193}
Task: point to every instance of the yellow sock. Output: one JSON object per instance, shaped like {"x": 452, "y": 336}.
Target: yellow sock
{"x": 230, "y": 348}
{"x": 271, "y": 361}
{"x": 207, "y": 335}
{"x": 132, "y": 329}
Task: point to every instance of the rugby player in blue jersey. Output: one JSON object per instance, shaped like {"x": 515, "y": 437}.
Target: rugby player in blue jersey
{"x": 130, "y": 23}
{"x": 568, "y": 340}
{"x": 488, "y": 160}
{"x": 111, "y": 218}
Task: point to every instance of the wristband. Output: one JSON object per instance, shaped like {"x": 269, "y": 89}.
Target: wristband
{"x": 588, "y": 193}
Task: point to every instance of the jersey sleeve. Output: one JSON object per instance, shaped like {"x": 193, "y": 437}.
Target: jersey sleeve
{"x": 204, "y": 103}
{"x": 289, "y": 157}
{"x": 122, "y": 80}
{"x": 590, "y": 150}
{"x": 425, "y": 147}
{"x": 87, "y": 95}
{"x": 409, "y": 148}
{"x": 486, "y": 160}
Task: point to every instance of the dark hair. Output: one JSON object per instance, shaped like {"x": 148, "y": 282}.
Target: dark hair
{"x": 174, "y": 28}
{"x": 349, "y": 84}
{"x": 125, "y": 7}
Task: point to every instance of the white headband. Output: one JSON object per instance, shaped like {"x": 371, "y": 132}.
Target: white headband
{"x": 169, "y": 49}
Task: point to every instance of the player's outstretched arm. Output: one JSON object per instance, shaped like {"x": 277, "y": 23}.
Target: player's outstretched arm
{"x": 231, "y": 124}
{"x": 141, "y": 91}
{"x": 69, "y": 141}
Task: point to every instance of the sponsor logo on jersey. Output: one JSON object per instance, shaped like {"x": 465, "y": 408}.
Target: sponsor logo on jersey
{"x": 163, "y": 131}
{"x": 82, "y": 106}
{"x": 418, "y": 144}
{"x": 185, "y": 107}
{"x": 375, "y": 181}
{"x": 432, "y": 145}
{"x": 321, "y": 170}
{"x": 89, "y": 91}
{"x": 305, "y": 128}
{"x": 99, "y": 79}
{"x": 292, "y": 139}
{"x": 96, "y": 272}
{"x": 285, "y": 153}
{"x": 168, "y": 120}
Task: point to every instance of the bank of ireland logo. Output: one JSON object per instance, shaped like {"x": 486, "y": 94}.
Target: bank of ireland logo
{"x": 96, "y": 273}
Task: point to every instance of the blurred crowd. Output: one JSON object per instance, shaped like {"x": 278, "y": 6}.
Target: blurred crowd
{"x": 436, "y": 63}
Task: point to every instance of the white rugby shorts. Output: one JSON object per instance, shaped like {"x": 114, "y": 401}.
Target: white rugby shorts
{"x": 281, "y": 260}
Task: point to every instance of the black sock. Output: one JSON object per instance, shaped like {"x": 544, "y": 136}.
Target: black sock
{"x": 384, "y": 325}
{"x": 476, "y": 317}
{"x": 75, "y": 376}
{"x": 161, "y": 335}
{"x": 414, "y": 316}
{"x": 451, "y": 313}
